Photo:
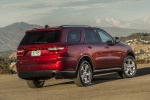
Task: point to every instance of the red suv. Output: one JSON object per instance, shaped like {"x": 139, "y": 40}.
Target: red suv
{"x": 72, "y": 51}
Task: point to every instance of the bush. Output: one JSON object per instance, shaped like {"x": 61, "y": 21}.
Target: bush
{"x": 5, "y": 64}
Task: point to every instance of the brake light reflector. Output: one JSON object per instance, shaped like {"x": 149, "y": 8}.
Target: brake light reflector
{"x": 57, "y": 50}
{"x": 20, "y": 53}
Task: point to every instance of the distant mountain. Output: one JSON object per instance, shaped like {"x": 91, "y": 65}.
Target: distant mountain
{"x": 109, "y": 22}
{"x": 11, "y": 35}
{"x": 122, "y": 32}
{"x": 141, "y": 24}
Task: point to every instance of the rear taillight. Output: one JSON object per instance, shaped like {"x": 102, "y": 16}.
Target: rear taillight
{"x": 58, "y": 50}
{"x": 20, "y": 53}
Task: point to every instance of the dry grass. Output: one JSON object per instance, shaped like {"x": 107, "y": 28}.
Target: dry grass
{"x": 138, "y": 47}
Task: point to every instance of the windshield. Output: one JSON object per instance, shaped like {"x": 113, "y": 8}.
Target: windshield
{"x": 41, "y": 37}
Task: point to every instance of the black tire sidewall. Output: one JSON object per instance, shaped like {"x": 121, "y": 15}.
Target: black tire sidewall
{"x": 35, "y": 83}
{"x": 38, "y": 84}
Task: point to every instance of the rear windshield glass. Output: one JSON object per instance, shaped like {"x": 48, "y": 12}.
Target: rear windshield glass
{"x": 41, "y": 37}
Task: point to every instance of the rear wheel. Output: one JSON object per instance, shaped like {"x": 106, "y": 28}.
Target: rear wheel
{"x": 35, "y": 83}
{"x": 129, "y": 68}
{"x": 84, "y": 74}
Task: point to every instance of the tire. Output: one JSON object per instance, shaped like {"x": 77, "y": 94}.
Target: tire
{"x": 129, "y": 68}
{"x": 84, "y": 74}
{"x": 35, "y": 83}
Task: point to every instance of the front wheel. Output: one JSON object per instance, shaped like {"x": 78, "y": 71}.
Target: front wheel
{"x": 35, "y": 83}
{"x": 84, "y": 74}
{"x": 129, "y": 68}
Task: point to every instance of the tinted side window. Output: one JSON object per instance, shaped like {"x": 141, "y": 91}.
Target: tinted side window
{"x": 91, "y": 36}
{"x": 105, "y": 37}
{"x": 74, "y": 36}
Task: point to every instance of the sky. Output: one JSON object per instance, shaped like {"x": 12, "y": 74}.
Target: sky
{"x": 57, "y": 12}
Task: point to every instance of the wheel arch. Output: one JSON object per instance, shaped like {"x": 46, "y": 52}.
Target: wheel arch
{"x": 130, "y": 54}
{"x": 122, "y": 73}
{"x": 86, "y": 58}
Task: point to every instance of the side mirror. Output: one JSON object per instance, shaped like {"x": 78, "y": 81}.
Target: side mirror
{"x": 117, "y": 40}
{"x": 110, "y": 42}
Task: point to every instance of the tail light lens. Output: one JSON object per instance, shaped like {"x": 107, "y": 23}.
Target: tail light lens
{"x": 58, "y": 50}
{"x": 20, "y": 53}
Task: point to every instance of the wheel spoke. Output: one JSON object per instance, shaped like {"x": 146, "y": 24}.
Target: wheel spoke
{"x": 86, "y": 68}
{"x": 86, "y": 80}
{"x": 128, "y": 61}
{"x": 85, "y": 73}
{"x": 131, "y": 71}
{"x": 125, "y": 66}
{"x": 132, "y": 65}
{"x": 82, "y": 77}
{"x": 82, "y": 69}
{"x": 127, "y": 71}
{"x": 129, "y": 67}
{"x": 88, "y": 74}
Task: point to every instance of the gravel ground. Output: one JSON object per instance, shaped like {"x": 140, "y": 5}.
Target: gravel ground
{"x": 104, "y": 87}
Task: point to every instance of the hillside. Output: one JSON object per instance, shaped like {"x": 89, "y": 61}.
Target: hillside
{"x": 137, "y": 38}
{"x": 11, "y": 35}
{"x": 138, "y": 47}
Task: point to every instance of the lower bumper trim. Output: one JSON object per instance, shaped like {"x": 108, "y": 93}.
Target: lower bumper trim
{"x": 46, "y": 74}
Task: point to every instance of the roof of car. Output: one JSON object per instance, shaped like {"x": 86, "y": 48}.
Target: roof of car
{"x": 46, "y": 28}
{"x": 74, "y": 26}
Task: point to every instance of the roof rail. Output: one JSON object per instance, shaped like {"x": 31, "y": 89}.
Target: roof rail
{"x": 75, "y": 26}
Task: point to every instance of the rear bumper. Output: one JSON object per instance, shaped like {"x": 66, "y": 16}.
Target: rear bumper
{"x": 46, "y": 74}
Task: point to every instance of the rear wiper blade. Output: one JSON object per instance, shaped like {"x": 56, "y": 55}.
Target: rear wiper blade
{"x": 40, "y": 42}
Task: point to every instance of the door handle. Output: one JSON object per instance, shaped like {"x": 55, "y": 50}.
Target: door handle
{"x": 89, "y": 47}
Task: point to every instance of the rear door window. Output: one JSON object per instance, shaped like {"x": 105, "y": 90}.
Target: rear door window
{"x": 74, "y": 36}
{"x": 91, "y": 36}
{"x": 41, "y": 37}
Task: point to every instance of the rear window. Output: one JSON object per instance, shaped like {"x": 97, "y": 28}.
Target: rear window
{"x": 41, "y": 37}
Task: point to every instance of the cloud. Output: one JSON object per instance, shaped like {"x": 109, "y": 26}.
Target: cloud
{"x": 42, "y": 11}
{"x": 31, "y": 4}
{"x": 76, "y": 7}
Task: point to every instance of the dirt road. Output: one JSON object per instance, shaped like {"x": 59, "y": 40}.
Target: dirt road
{"x": 103, "y": 87}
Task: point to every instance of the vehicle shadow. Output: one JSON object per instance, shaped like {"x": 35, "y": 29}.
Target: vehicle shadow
{"x": 143, "y": 71}
{"x": 102, "y": 78}
{"x": 64, "y": 83}
{"x": 114, "y": 76}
